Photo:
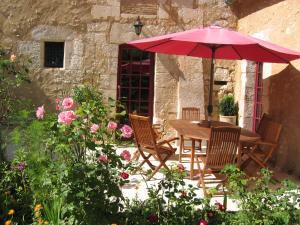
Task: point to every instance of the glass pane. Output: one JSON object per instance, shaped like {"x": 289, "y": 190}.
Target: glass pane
{"x": 124, "y": 93}
{"x": 125, "y": 81}
{"x": 135, "y": 81}
{"x": 144, "y": 108}
{"x": 145, "y": 81}
{"x": 134, "y": 94}
{"x": 146, "y": 55}
{"x": 136, "y": 54}
{"x": 125, "y": 54}
{"x": 134, "y": 107}
{"x": 144, "y": 94}
{"x": 136, "y": 67}
{"x": 145, "y": 70}
{"x": 125, "y": 67}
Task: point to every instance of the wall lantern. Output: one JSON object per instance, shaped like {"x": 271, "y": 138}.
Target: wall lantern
{"x": 138, "y": 26}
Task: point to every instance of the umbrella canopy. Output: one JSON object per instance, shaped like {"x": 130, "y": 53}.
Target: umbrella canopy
{"x": 216, "y": 43}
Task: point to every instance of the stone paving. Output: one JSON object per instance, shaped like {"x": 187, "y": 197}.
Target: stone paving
{"x": 137, "y": 188}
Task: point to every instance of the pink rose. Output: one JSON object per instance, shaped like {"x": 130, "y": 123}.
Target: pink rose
{"x": 112, "y": 125}
{"x": 57, "y": 108}
{"x": 203, "y": 222}
{"x": 180, "y": 167}
{"x": 124, "y": 175}
{"x": 126, "y": 131}
{"x": 220, "y": 206}
{"x": 13, "y": 58}
{"x": 126, "y": 155}
{"x": 40, "y": 112}
{"x": 66, "y": 117}
{"x": 68, "y": 103}
{"x": 94, "y": 128}
{"x": 57, "y": 100}
{"x": 102, "y": 158}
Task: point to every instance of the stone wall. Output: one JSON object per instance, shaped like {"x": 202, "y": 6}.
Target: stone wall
{"x": 278, "y": 21}
{"x": 93, "y": 30}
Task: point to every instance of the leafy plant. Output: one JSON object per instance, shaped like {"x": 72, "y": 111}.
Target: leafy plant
{"x": 227, "y": 106}
{"x": 172, "y": 202}
{"x": 258, "y": 203}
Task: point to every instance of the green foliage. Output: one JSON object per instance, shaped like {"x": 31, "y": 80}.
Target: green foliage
{"x": 227, "y": 106}
{"x": 172, "y": 202}
{"x": 15, "y": 193}
{"x": 258, "y": 203}
{"x": 62, "y": 166}
{"x": 13, "y": 72}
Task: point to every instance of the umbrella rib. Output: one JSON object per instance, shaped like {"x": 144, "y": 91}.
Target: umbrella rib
{"x": 157, "y": 44}
{"x": 189, "y": 54}
{"x": 236, "y": 51}
{"x": 266, "y": 49}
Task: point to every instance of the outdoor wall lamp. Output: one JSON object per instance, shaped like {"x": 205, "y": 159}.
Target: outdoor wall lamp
{"x": 138, "y": 26}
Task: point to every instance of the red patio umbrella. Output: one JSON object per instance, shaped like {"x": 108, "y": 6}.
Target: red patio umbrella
{"x": 216, "y": 43}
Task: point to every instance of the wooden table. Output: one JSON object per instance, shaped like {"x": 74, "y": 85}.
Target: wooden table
{"x": 200, "y": 130}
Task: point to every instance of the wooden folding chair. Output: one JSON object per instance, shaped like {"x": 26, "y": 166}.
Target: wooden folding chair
{"x": 148, "y": 145}
{"x": 261, "y": 151}
{"x": 188, "y": 113}
{"x": 222, "y": 150}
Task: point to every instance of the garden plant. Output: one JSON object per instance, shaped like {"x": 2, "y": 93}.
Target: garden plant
{"x": 67, "y": 171}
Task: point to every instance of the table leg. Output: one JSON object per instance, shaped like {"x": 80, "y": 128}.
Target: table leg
{"x": 192, "y": 159}
{"x": 181, "y": 148}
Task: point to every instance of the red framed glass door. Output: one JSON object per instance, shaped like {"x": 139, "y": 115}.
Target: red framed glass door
{"x": 258, "y": 92}
{"x": 136, "y": 80}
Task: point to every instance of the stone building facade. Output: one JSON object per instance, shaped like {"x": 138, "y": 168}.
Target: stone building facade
{"x": 93, "y": 31}
{"x": 276, "y": 21}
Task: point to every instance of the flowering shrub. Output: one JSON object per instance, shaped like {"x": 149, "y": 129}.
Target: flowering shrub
{"x": 172, "y": 202}
{"x": 74, "y": 161}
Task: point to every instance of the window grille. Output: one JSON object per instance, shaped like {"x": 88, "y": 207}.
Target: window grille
{"x": 54, "y": 54}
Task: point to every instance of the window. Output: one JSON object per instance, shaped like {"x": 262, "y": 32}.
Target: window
{"x": 258, "y": 91}
{"x": 54, "y": 54}
{"x": 136, "y": 80}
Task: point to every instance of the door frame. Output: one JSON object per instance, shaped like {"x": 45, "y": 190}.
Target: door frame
{"x": 152, "y": 77}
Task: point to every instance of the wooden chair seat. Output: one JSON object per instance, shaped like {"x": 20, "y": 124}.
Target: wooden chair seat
{"x": 189, "y": 113}
{"x": 147, "y": 144}
{"x": 261, "y": 151}
{"x": 222, "y": 150}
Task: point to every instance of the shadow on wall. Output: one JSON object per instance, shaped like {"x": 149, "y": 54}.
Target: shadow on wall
{"x": 170, "y": 63}
{"x": 284, "y": 107}
{"x": 34, "y": 92}
{"x": 243, "y": 8}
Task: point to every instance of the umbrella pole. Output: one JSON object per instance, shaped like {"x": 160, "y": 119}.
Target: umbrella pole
{"x": 211, "y": 84}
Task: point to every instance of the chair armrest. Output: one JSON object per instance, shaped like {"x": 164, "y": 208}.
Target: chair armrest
{"x": 167, "y": 141}
{"x": 265, "y": 143}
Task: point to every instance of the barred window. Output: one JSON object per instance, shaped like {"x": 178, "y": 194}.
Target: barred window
{"x": 54, "y": 54}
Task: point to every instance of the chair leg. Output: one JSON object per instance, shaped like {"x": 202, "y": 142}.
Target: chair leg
{"x": 136, "y": 155}
{"x": 181, "y": 145}
{"x": 162, "y": 163}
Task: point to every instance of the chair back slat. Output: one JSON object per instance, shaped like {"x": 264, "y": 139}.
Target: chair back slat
{"x": 269, "y": 130}
{"x": 191, "y": 113}
{"x": 222, "y": 147}
{"x": 142, "y": 129}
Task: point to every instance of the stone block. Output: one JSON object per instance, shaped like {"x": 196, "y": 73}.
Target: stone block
{"x": 122, "y": 33}
{"x": 76, "y": 62}
{"x": 183, "y": 3}
{"x": 101, "y": 11}
{"x": 52, "y": 33}
{"x": 98, "y": 27}
{"x": 163, "y": 11}
{"x": 78, "y": 47}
